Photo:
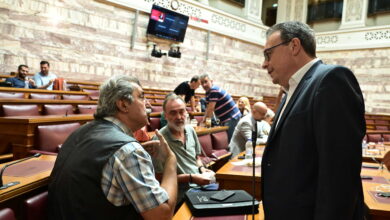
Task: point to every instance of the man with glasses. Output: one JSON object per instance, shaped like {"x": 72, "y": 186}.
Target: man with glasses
{"x": 312, "y": 161}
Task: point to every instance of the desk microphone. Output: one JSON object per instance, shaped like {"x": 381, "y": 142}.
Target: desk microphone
{"x": 10, "y": 164}
{"x": 254, "y": 140}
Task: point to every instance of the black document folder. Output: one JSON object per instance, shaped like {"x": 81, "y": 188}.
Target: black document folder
{"x": 200, "y": 204}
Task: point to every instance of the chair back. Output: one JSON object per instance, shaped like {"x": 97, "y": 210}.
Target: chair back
{"x": 374, "y": 137}
{"x": 20, "y": 110}
{"x": 157, "y": 108}
{"x": 220, "y": 140}
{"x": 154, "y": 123}
{"x": 42, "y": 96}
{"x": 74, "y": 97}
{"x": 87, "y": 109}
{"x": 7, "y": 214}
{"x": 58, "y": 109}
{"x": 51, "y": 136}
{"x": 35, "y": 208}
{"x": 93, "y": 93}
{"x": 206, "y": 144}
{"x": 11, "y": 95}
{"x": 386, "y": 160}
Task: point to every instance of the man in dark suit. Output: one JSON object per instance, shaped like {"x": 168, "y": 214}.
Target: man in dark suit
{"x": 312, "y": 161}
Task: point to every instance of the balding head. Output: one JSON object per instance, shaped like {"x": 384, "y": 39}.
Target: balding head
{"x": 259, "y": 110}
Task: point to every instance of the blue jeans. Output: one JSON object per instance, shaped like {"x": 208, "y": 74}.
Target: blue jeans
{"x": 232, "y": 123}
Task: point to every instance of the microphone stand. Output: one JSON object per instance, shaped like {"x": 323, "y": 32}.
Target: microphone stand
{"x": 254, "y": 140}
{"x": 10, "y": 164}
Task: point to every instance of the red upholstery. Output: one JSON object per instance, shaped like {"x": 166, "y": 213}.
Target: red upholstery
{"x": 189, "y": 109}
{"x": 7, "y": 214}
{"x": 35, "y": 208}
{"x": 374, "y": 137}
{"x": 42, "y": 96}
{"x": 382, "y": 122}
{"x": 58, "y": 109}
{"x": 369, "y": 121}
{"x": 93, "y": 93}
{"x": 220, "y": 140}
{"x": 205, "y": 160}
{"x": 11, "y": 95}
{"x": 20, "y": 110}
{"x": 159, "y": 95}
{"x": 159, "y": 100}
{"x": 205, "y": 142}
{"x": 87, "y": 109}
{"x": 74, "y": 97}
{"x": 157, "y": 108}
{"x": 382, "y": 128}
{"x": 221, "y": 153}
{"x": 49, "y": 137}
{"x": 154, "y": 123}
{"x": 386, "y": 137}
{"x": 199, "y": 118}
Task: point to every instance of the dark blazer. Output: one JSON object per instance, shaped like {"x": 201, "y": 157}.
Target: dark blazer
{"x": 312, "y": 161}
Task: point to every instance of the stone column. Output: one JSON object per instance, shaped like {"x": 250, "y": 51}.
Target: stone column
{"x": 253, "y": 10}
{"x": 354, "y": 14}
{"x": 292, "y": 10}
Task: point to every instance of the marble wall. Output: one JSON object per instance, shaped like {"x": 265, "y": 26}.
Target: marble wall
{"x": 90, "y": 40}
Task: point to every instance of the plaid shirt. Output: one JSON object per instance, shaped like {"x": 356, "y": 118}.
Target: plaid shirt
{"x": 128, "y": 177}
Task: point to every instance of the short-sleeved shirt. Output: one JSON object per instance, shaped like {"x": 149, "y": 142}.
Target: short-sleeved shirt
{"x": 185, "y": 89}
{"x": 225, "y": 107}
{"x": 18, "y": 83}
{"x": 128, "y": 177}
{"x": 41, "y": 80}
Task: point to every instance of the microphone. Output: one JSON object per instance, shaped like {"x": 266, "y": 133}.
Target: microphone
{"x": 10, "y": 164}
{"x": 254, "y": 140}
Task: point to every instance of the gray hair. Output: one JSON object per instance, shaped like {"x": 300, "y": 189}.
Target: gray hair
{"x": 204, "y": 75}
{"x": 171, "y": 96}
{"x": 295, "y": 29}
{"x": 114, "y": 89}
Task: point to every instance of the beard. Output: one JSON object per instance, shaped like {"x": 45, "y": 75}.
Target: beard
{"x": 176, "y": 126}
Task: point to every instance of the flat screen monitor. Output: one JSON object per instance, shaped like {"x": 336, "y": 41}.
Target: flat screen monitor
{"x": 167, "y": 24}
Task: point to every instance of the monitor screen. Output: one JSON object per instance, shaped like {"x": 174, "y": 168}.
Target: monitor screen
{"x": 167, "y": 24}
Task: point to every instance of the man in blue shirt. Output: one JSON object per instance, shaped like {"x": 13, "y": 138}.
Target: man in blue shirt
{"x": 44, "y": 79}
{"x": 19, "y": 81}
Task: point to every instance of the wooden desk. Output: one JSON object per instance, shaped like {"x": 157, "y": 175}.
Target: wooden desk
{"x": 19, "y": 131}
{"x": 43, "y": 91}
{"x": 184, "y": 213}
{"x": 378, "y": 210}
{"x": 239, "y": 177}
{"x": 28, "y": 183}
{"x": 377, "y": 153}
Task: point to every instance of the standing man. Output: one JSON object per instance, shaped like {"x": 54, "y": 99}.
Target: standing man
{"x": 102, "y": 172}
{"x": 187, "y": 91}
{"x": 243, "y": 130}
{"x": 221, "y": 103}
{"x": 184, "y": 143}
{"x": 44, "y": 79}
{"x": 312, "y": 161}
{"x": 19, "y": 81}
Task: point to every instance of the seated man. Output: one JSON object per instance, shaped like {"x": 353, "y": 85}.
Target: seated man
{"x": 102, "y": 172}
{"x": 19, "y": 81}
{"x": 243, "y": 130}
{"x": 183, "y": 141}
{"x": 44, "y": 79}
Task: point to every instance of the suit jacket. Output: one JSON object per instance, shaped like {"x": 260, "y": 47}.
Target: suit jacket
{"x": 243, "y": 132}
{"x": 312, "y": 161}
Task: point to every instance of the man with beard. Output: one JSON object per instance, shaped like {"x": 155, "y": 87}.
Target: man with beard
{"x": 44, "y": 79}
{"x": 20, "y": 80}
{"x": 184, "y": 143}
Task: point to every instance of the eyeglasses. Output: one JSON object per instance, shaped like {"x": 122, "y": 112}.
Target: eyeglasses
{"x": 267, "y": 52}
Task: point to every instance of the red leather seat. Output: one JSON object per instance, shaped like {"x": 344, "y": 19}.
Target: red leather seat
{"x": 381, "y": 128}
{"x": 42, "y": 96}
{"x": 199, "y": 118}
{"x": 220, "y": 140}
{"x": 374, "y": 137}
{"x": 58, "y": 109}
{"x": 93, "y": 93}
{"x": 35, "y": 208}
{"x": 382, "y": 122}
{"x": 386, "y": 137}
{"x": 159, "y": 100}
{"x": 369, "y": 121}
{"x": 87, "y": 109}
{"x": 157, "y": 108}
{"x": 74, "y": 97}
{"x": 206, "y": 144}
{"x": 11, "y": 95}
{"x": 50, "y": 137}
{"x": 154, "y": 123}
{"x": 20, "y": 110}
{"x": 7, "y": 214}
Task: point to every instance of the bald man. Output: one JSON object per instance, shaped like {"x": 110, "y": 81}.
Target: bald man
{"x": 243, "y": 130}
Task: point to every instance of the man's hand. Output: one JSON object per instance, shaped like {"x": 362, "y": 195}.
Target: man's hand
{"x": 200, "y": 179}
{"x": 164, "y": 150}
{"x": 151, "y": 147}
{"x": 31, "y": 82}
